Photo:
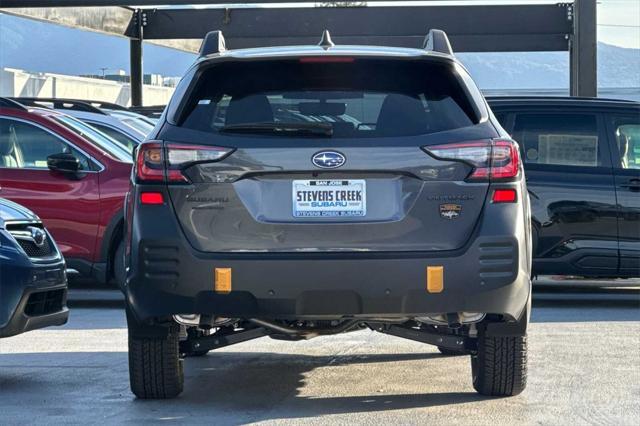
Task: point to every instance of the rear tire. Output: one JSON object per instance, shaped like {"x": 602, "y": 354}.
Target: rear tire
{"x": 500, "y": 366}
{"x": 155, "y": 367}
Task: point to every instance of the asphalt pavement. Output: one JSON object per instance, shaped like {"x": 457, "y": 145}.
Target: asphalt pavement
{"x": 584, "y": 369}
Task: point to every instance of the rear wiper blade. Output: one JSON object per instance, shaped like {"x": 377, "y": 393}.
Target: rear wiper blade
{"x": 293, "y": 129}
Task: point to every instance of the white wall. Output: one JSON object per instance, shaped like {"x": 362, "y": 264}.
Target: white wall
{"x": 14, "y": 82}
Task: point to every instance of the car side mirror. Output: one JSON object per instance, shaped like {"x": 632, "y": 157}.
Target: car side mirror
{"x": 63, "y": 162}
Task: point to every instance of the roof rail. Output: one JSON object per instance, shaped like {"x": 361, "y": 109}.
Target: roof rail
{"x": 437, "y": 41}
{"x": 10, "y": 103}
{"x": 212, "y": 43}
{"x": 107, "y": 105}
{"x": 68, "y": 104}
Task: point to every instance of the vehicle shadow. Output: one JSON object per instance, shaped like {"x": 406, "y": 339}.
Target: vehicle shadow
{"x": 274, "y": 383}
{"x": 220, "y": 388}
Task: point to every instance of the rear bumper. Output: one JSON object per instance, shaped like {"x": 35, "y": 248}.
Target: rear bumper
{"x": 327, "y": 289}
{"x": 167, "y": 276}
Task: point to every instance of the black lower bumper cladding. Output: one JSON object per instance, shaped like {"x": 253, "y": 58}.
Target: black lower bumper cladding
{"x": 38, "y": 308}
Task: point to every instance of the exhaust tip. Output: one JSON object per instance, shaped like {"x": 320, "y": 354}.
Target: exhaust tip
{"x": 452, "y": 319}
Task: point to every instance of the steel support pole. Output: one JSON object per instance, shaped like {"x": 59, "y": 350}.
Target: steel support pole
{"x": 583, "y": 50}
{"x": 135, "y": 52}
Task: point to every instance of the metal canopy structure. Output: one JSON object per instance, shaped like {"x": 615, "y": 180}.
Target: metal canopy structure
{"x": 470, "y": 28}
{"x": 569, "y": 26}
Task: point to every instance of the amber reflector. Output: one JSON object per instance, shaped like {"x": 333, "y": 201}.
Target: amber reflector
{"x": 435, "y": 279}
{"x": 223, "y": 280}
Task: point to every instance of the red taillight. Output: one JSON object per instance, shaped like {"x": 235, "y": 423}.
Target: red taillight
{"x": 505, "y": 159}
{"x": 153, "y": 158}
{"x": 508, "y": 195}
{"x": 150, "y": 162}
{"x": 151, "y": 198}
{"x": 491, "y": 159}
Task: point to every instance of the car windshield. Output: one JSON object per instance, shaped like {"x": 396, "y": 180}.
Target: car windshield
{"x": 94, "y": 136}
{"x": 354, "y": 97}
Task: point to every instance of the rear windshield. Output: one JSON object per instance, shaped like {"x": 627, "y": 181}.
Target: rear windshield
{"x": 358, "y": 98}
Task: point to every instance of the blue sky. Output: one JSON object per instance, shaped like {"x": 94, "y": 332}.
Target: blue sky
{"x": 619, "y": 22}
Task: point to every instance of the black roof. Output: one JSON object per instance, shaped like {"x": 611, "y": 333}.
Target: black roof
{"x": 495, "y": 101}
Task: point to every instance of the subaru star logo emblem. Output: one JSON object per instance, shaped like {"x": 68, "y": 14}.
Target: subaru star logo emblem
{"x": 328, "y": 159}
{"x": 37, "y": 235}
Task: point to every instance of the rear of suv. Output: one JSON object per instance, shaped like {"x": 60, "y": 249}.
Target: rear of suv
{"x": 313, "y": 190}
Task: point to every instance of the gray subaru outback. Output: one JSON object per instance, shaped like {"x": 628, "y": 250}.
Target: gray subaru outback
{"x": 296, "y": 192}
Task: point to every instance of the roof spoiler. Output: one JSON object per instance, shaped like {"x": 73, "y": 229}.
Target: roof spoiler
{"x": 212, "y": 43}
{"x": 437, "y": 41}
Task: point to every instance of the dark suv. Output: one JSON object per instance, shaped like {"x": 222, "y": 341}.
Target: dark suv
{"x": 33, "y": 282}
{"x": 313, "y": 190}
{"x": 582, "y": 158}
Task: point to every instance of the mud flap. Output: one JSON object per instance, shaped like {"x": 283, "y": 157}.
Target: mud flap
{"x": 511, "y": 329}
{"x": 141, "y": 330}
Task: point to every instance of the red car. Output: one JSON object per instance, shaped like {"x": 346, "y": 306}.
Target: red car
{"x": 72, "y": 176}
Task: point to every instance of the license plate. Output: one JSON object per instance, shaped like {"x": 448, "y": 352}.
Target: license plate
{"x": 329, "y": 198}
